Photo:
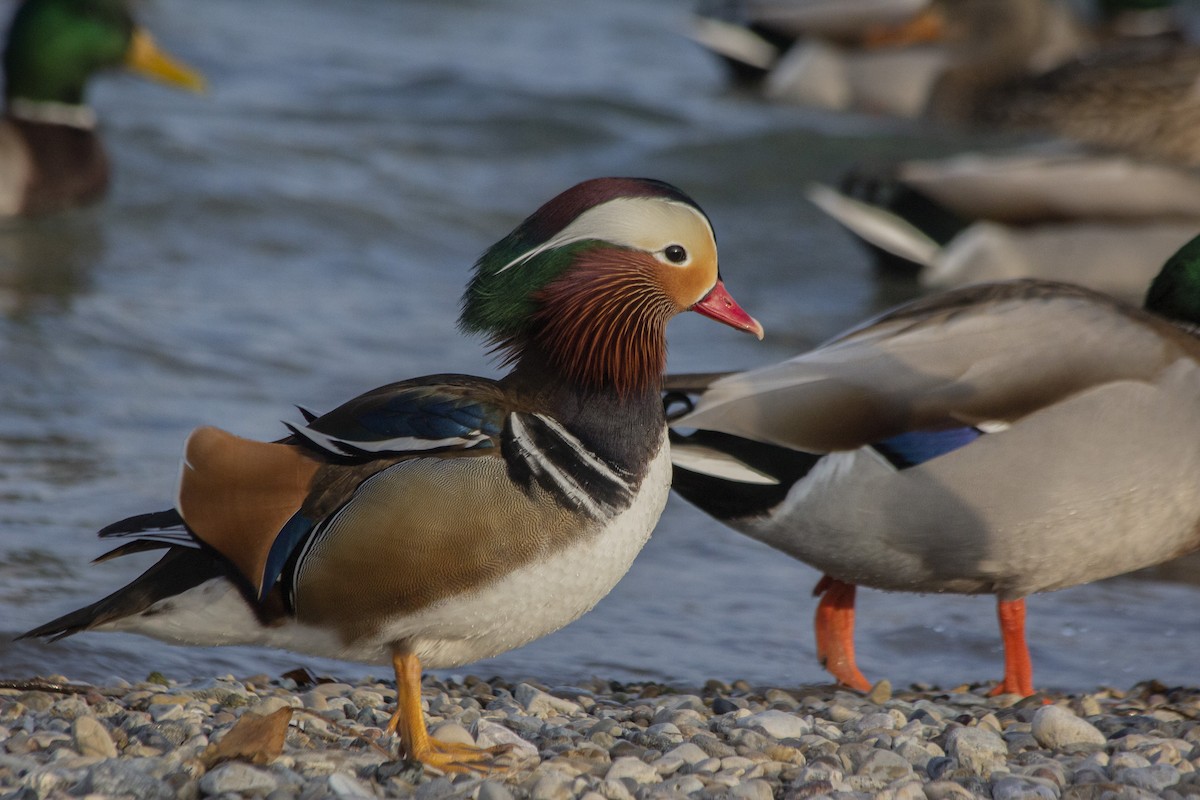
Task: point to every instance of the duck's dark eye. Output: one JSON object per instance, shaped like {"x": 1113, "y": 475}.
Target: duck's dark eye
{"x": 675, "y": 254}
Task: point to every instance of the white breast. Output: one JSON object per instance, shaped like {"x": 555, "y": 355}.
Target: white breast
{"x": 538, "y": 598}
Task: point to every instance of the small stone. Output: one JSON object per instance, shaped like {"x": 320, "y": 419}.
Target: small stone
{"x": 367, "y": 699}
{"x": 686, "y": 754}
{"x": 615, "y": 790}
{"x": 722, "y": 706}
{"x": 778, "y": 724}
{"x": 881, "y": 692}
{"x": 712, "y": 745}
{"x": 452, "y": 732}
{"x": 126, "y": 777}
{"x": 751, "y": 790}
{"x": 977, "y": 750}
{"x": 167, "y": 712}
{"x": 1153, "y": 778}
{"x": 885, "y": 766}
{"x": 349, "y": 787}
{"x": 1057, "y": 728}
{"x": 872, "y": 722}
{"x": 544, "y": 704}
{"x": 947, "y": 790}
{"x": 633, "y": 768}
{"x": 682, "y": 784}
{"x": 552, "y": 786}
{"x": 1017, "y": 788}
{"x": 92, "y": 738}
{"x": 839, "y": 713}
{"x": 235, "y": 776}
{"x": 494, "y": 790}
{"x": 269, "y": 706}
{"x": 1127, "y": 761}
{"x": 491, "y": 734}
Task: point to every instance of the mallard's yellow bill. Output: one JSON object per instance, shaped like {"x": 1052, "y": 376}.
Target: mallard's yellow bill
{"x": 144, "y": 58}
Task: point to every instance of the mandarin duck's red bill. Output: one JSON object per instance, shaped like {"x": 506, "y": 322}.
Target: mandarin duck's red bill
{"x": 50, "y": 154}
{"x": 1004, "y": 438}
{"x": 442, "y": 519}
{"x": 719, "y": 305}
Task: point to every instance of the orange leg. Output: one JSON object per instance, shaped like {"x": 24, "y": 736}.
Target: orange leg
{"x": 834, "y": 628}
{"x": 415, "y": 741}
{"x": 1018, "y": 669}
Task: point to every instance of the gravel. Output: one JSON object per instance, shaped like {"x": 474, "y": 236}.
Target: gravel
{"x": 600, "y": 741}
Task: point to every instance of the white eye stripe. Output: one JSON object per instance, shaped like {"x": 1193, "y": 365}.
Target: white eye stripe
{"x": 636, "y": 222}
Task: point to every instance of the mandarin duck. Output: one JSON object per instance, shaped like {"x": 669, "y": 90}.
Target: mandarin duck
{"x": 51, "y": 157}
{"x": 1004, "y": 438}
{"x": 448, "y": 518}
{"x": 1105, "y": 221}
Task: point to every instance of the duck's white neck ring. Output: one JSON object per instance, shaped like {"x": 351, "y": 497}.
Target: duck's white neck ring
{"x": 53, "y": 113}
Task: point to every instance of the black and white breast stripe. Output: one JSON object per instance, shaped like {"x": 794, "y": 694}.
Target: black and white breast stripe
{"x": 540, "y": 451}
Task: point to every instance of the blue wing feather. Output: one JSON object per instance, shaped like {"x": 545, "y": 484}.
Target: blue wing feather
{"x": 916, "y": 447}
{"x": 290, "y": 536}
{"x": 425, "y": 415}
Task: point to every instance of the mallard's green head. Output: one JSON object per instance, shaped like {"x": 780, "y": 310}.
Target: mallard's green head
{"x": 591, "y": 278}
{"x": 1175, "y": 291}
{"x": 54, "y": 46}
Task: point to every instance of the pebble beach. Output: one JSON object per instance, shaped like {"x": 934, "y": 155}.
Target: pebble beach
{"x": 600, "y": 740}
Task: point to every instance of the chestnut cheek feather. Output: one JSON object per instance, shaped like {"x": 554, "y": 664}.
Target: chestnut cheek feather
{"x": 718, "y": 304}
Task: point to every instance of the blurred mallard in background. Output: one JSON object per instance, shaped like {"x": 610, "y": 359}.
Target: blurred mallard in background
{"x": 875, "y": 56}
{"x": 969, "y": 61}
{"x": 841, "y": 55}
{"x": 51, "y": 157}
{"x": 1107, "y": 222}
{"x": 1131, "y": 94}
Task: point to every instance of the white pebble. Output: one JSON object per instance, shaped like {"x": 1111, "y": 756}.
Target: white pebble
{"x": 237, "y": 777}
{"x": 348, "y": 787}
{"x": 490, "y": 734}
{"x": 676, "y": 758}
{"x": 978, "y": 750}
{"x": 1056, "y": 727}
{"x": 633, "y": 768}
{"x": 92, "y": 738}
{"x": 779, "y": 724}
{"x": 543, "y": 704}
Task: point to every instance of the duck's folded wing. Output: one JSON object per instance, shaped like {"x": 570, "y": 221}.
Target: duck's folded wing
{"x": 425, "y": 415}
{"x": 985, "y": 354}
{"x": 1028, "y": 187}
{"x": 256, "y": 502}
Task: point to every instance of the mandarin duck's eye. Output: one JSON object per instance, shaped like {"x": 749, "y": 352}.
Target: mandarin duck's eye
{"x": 675, "y": 254}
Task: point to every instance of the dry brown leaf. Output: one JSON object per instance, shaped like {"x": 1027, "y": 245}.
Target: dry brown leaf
{"x": 253, "y": 738}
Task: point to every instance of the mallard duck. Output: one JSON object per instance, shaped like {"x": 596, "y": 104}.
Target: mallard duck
{"x": 845, "y": 55}
{"x": 51, "y": 157}
{"x": 884, "y": 56}
{"x": 1107, "y": 222}
{"x": 1131, "y": 94}
{"x": 443, "y": 519}
{"x": 1004, "y": 438}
